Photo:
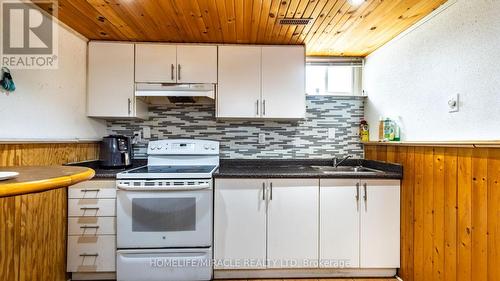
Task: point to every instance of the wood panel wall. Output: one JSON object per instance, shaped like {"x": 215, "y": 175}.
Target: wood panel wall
{"x": 39, "y": 154}
{"x": 450, "y": 211}
{"x": 33, "y": 236}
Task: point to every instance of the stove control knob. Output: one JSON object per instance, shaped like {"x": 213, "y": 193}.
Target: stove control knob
{"x": 159, "y": 147}
{"x": 206, "y": 147}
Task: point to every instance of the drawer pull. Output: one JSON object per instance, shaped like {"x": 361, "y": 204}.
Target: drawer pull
{"x": 90, "y": 190}
{"x": 89, "y": 255}
{"x": 89, "y": 226}
{"x": 89, "y": 208}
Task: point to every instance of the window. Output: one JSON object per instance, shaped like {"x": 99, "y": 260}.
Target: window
{"x": 333, "y": 79}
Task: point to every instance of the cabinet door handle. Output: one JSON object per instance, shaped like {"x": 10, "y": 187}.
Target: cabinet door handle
{"x": 271, "y": 194}
{"x": 264, "y": 107}
{"x": 129, "y": 106}
{"x": 172, "y": 68}
{"x": 89, "y": 226}
{"x": 90, "y": 190}
{"x": 357, "y": 192}
{"x": 257, "y": 107}
{"x": 264, "y": 191}
{"x": 89, "y": 255}
{"x": 365, "y": 196}
{"x": 179, "y": 72}
{"x": 89, "y": 208}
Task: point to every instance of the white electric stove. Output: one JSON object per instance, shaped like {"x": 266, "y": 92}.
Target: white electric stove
{"x": 164, "y": 213}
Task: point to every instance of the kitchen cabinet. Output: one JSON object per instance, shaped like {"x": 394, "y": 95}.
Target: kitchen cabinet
{"x": 380, "y": 224}
{"x": 167, "y": 63}
{"x": 155, "y": 63}
{"x": 111, "y": 82}
{"x": 292, "y": 232}
{"x": 249, "y": 212}
{"x": 239, "y": 82}
{"x": 283, "y": 82}
{"x": 339, "y": 223}
{"x": 261, "y": 82}
{"x": 239, "y": 223}
{"x": 92, "y": 229}
{"x": 359, "y": 225}
{"x": 196, "y": 64}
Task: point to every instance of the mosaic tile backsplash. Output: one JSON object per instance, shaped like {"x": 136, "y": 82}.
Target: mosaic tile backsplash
{"x": 299, "y": 139}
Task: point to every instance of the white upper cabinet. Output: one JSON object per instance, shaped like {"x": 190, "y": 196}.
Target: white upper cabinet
{"x": 155, "y": 63}
{"x": 292, "y": 239}
{"x": 261, "y": 82}
{"x": 380, "y": 224}
{"x": 240, "y": 223}
{"x": 339, "y": 223}
{"x": 196, "y": 64}
{"x": 283, "y": 82}
{"x": 110, "y": 91}
{"x": 239, "y": 82}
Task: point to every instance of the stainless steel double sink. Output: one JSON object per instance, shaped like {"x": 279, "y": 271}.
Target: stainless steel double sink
{"x": 354, "y": 170}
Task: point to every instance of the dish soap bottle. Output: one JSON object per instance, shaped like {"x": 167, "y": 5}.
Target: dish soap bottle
{"x": 364, "y": 131}
{"x": 388, "y": 130}
{"x": 381, "y": 129}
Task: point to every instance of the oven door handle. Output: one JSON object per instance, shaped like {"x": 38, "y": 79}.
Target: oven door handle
{"x": 163, "y": 188}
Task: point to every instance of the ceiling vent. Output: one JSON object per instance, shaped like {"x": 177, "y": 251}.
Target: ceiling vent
{"x": 292, "y": 21}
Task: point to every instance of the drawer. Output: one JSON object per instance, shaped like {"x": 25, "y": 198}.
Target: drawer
{"x": 93, "y": 189}
{"x": 91, "y": 253}
{"x": 92, "y": 226}
{"x": 91, "y": 207}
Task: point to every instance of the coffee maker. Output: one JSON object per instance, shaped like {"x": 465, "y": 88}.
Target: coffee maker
{"x": 116, "y": 152}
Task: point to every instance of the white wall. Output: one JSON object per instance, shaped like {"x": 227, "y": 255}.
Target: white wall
{"x": 456, "y": 51}
{"x": 51, "y": 104}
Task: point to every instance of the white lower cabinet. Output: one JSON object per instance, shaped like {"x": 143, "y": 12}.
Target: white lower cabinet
{"x": 292, "y": 228}
{"x": 360, "y": 223}
{"x": 261, "y": 223}
{"x": 240, "y": 224}
{"x": 307, "y": 223}
{"x": 92, "y": 230}
{"x": 339, "y": 223}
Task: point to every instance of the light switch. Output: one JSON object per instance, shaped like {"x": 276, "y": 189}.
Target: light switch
{"x": 454, "y": 103}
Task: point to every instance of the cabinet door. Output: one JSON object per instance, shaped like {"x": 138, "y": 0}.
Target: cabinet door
{"x": 238, "y": 92}
{"x": 293, "y": 223}
{"x": 339, "y": 223}
{"x": 196, "y": 64}
{"x": 380, "y": 225}
{"x": 239, "y": 224}
{"x": 283, "y": 82}
{"x": 110, "y": 80}
{"x": 155, "y": 63}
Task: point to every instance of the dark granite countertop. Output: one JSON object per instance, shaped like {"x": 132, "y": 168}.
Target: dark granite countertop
{"x": 301, "y": 169}
{"x": 265, "y": 168}
{"x": 106, "y": 173}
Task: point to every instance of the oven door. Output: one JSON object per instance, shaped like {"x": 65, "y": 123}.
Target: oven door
{"x": 164, "y": 218}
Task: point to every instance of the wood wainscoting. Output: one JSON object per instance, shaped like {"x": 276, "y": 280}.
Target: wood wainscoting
{"x": 450, "y": 211}
{"x": 43, "y": 154}
{"x": 33, "y": 236}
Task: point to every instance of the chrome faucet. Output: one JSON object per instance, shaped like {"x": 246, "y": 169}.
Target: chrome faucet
{"x": 337, "y": 163}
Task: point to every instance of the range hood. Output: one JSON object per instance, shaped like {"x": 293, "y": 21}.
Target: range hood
{"x": 174, "y": 90}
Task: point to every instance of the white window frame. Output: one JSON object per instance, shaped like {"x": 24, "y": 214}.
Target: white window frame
{"x": 357, "y": 74}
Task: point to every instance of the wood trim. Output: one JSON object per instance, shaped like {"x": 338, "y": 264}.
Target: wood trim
{"x": 450, "y": 218}
{"x": 44, "y": 154}
{"x": 470, "y": 144}
{"x": 33, "y": 236}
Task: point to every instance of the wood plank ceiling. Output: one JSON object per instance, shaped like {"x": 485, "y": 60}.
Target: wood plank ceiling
{"x": 337, "y": 27}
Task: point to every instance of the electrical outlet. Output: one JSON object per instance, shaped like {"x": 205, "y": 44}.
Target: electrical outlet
{"x": 454, "y": 103}
{"x": 332, "y": 133}
{"x": 146, "y": 132}
{"x": 262, "y": 138}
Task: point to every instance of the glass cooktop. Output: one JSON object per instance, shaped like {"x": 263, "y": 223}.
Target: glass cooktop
{"x": 173, "y": 169}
